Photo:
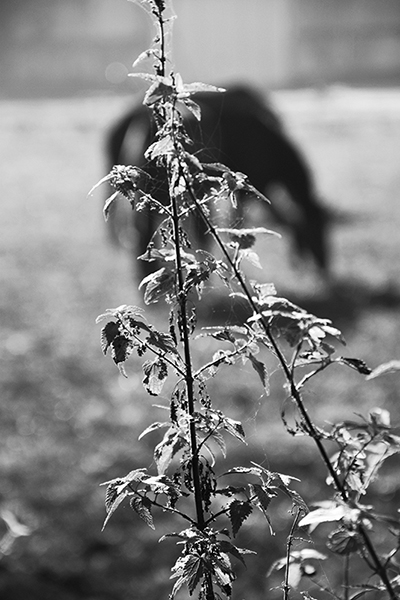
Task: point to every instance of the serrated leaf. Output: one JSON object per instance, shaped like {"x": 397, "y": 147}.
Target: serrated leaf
{"x": 334, "y": 332}
{"x": 161, "y": 484}
{"x": 357, "y": 364}
{"x": 193, "y": 572}
{"x": 263, "y": 499}
{"x": 261, "y": 371}
{"x": 161, "y": 340}
{"x": 108, "y": 334}
{"x": 167, "y": 448}
{"x": 146, "y": 76}
{"x": 309, "y": 358}
{"x": 344, "y": 542}
{"x": 158, "y": 284}
{"x": 104, "y": 179}
{"x": 152, "y": 427}
{"x": 108, "y": 203}
{"x": 155, "y": 374}
{"x": 245, "y": 238}
{"x": 219, "y": 440}
{"x": 121, "y": 369}
{"x": 297, "y": 500}
{"x": 238, "y": 513}
{"x": 286, "y": 479}
{"x": 188, "y": 569}
{"x": 263, "y": 290}
{"x": 224, "y": 334}
{"x": 238, "y": 553}
{"x": 120, "y": 482}
{"x": 161, "y": 148}
{"x": 112, "y": 506}
{"x": 224, "y": 580}
{"x": 142, "y": 507}
{"x": 178, "y": 584}
{"x": 159, "y": 89}
{"x": 247, "y": 470}
{"x": 235, "y": 428}
{"x": 199, "y": 86}
{"x": 151, "y": 52}
{"x": 121, "y": 348}
{"x": 111, "y": 493}
{"x": 222, "y": 559}
{"x": 193, "y": 107}
{"x": 252, "y": 257}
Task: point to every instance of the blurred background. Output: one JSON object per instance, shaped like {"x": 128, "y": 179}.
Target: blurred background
{"x": 66, "y": 47}
{"x": 68, "y": 421}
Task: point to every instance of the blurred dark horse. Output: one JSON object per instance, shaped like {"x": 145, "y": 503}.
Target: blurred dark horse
{"x": 241, "y": 131}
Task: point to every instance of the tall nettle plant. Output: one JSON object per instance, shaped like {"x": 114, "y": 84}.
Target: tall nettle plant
{"x": 211, "y": 506}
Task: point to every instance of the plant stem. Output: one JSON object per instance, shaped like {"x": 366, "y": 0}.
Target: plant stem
{"x": 379, "y": 568}
{"x": 289, "y": 544}
{"x": 158, "y": 13}
{"x": 189, "y": 379}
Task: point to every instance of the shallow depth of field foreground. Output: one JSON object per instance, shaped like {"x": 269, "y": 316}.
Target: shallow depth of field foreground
{"x": 69, "y": 421}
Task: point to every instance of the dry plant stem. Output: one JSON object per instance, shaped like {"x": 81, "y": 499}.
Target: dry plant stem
{"x": 379, "y": 568}
{"x": 309, "y": 425}
{"x": 163, "y": 59}
{"x": 185, "y": 328}
{"x": 189, "y": 380}
{"x": 289, "y": 544}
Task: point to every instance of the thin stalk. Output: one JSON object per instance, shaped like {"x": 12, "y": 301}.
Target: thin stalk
{"x": 380, "y": 569}
{"x": 289, "y": 544}
{"x": 189, "y": 379}
{"x": 163, "y": 59}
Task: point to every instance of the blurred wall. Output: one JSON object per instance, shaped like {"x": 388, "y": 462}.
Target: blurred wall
{"x": 289, "y": 43}
{"x": 58, "y": 47}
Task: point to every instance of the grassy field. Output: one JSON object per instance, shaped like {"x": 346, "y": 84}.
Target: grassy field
{"x": 68, "y": 421}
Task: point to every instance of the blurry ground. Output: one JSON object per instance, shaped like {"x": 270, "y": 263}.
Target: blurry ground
{"x": 69, "y": 422}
